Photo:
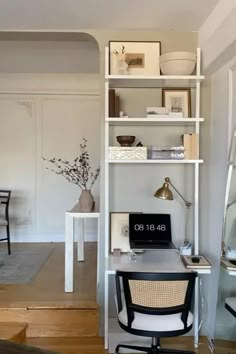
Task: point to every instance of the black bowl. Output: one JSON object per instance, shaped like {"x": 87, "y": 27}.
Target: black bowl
{"x": 125, "y": 140}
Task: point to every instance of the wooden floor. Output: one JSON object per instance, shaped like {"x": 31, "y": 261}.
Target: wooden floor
{"x": 48, "y": 285}
{"x": 95, "y": 346}
{"x": 47, "y": 289}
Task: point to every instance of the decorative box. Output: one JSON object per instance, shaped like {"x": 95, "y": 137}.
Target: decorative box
{"x": 127, "y": 153}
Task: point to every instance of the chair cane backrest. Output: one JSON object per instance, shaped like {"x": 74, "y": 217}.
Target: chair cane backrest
{"x": 158, "y": 293}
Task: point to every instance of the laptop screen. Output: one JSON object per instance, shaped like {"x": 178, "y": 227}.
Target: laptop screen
{"x": 148, "y": 230}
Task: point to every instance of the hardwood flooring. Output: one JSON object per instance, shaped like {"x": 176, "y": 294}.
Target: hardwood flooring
{"x": 95, "y": 345}
{"x": 47, "y": 288}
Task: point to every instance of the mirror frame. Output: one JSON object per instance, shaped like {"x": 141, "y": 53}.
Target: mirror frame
{"x": 231, "y": 165}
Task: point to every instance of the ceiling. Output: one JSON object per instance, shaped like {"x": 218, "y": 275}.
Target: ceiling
{"x": 175, "y": 15}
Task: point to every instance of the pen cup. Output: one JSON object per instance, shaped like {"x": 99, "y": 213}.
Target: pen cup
{"x": 186, "y": 250}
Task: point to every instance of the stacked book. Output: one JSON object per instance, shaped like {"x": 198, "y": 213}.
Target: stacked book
{"x": 114, "y": 104}
{"x": 165, "y": 153}
{"x": 162, "y": 112}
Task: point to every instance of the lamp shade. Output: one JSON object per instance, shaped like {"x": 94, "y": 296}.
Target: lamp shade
{"x": 164, "y": 192}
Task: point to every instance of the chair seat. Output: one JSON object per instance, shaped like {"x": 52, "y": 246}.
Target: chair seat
{"x": 3, "y": 222}
{"x": 155, "y": 323}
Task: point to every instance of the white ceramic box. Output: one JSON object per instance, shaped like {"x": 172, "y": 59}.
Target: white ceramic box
{"x": 127, "y": 153}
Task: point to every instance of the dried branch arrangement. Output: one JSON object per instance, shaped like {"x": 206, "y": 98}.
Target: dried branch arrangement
{"x": 78, "y": 171}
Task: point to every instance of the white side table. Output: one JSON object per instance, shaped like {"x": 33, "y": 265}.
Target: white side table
{"x": 69, "y": 241}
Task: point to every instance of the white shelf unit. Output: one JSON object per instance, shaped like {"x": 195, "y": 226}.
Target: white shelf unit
{"x": 123, "y": 81}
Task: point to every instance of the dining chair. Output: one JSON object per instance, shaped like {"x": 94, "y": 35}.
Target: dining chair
{"x": 4, "y": 219}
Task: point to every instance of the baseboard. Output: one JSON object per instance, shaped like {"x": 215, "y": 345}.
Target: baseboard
{"x": 89, "y": 237}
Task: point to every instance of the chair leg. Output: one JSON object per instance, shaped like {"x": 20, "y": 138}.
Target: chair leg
{"x": 8, "y": 240}
{"x": 133, "y": 347}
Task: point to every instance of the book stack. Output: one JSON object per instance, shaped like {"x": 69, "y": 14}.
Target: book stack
{"x": 190, "y": 262}
{"x": 114, "y": 104}
{"x": 190, "y": 143}
{"x": 162, "y": 112}
{"x": 158, "y": 153}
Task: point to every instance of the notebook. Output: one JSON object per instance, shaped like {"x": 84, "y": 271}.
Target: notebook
{"x": 150, "y": 231}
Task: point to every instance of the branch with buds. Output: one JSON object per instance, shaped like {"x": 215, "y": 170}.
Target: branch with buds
{"x": 77, "y": 172}
{"x": 122, "y": 51}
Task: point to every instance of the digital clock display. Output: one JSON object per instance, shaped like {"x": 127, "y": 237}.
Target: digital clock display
{"x": 149, "y": 229}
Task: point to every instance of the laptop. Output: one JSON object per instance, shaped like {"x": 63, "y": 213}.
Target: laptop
{"x": 150, "y": 231}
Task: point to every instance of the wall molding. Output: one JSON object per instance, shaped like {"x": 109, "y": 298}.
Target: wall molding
{"x": 49, "y": 237}
{"x": 62, "y": 84}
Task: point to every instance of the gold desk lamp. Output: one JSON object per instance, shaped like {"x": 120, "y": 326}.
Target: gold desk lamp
{"x": 165, "y": 193}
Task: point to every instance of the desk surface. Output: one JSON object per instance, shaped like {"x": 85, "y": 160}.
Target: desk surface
{"x": 150, "y": 261}
{"x": 77, "y": 212}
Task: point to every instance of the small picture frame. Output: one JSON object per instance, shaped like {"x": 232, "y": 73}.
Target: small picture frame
{"x": 178, "y": 101}
{"x": 119, "y": 232}
{"x": 134, "y": 58}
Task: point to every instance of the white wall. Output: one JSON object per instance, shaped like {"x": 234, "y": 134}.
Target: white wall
{"x": 217, "y": 36}
{"x": 48, "y": 56}
{"x": 49, "y": 125}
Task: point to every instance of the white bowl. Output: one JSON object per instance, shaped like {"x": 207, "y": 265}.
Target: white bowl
{"x": 177, "y": 63}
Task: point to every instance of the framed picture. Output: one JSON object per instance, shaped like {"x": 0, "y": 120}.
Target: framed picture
{"x": 119, "y": 232}
{"x": 178, "y": 101}
{"x": 134, "y": 58}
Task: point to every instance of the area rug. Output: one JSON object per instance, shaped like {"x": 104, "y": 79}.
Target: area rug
{"x": 22, "y": 265}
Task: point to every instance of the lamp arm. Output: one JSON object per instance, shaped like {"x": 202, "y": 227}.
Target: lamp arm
{"x": 188, "y": 204}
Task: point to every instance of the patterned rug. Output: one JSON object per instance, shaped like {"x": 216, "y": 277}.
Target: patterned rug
{"x": 22, "y": 265}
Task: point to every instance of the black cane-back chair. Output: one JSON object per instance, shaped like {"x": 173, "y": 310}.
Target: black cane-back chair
{"x": 154, "y": 305}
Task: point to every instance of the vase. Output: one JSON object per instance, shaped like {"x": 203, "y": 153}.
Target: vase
{"x": 121, "y": 65}
{"x": 86, "y": 201}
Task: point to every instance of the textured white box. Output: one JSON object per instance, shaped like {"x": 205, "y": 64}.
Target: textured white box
{"x": 127, "y": 153}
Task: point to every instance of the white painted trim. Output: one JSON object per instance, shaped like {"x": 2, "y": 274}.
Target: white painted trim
{"x": 218, "y": 15}
{"x": 217, "y": 37}
{"x": 64, "y": 84}
{"x": 230, "y": 107}
{"x": 50, "y": 237}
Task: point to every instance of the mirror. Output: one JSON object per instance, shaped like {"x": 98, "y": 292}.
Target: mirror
{"x": 225, "y": 328}
{"x": 229, "y": 222}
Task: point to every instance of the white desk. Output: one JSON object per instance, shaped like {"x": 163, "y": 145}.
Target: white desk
{"x": 75, "y": 212}
{"x": 150, "y": 261}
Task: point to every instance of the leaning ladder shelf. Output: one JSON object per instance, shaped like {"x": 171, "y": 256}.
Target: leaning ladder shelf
{"x": 160, "y": 81}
